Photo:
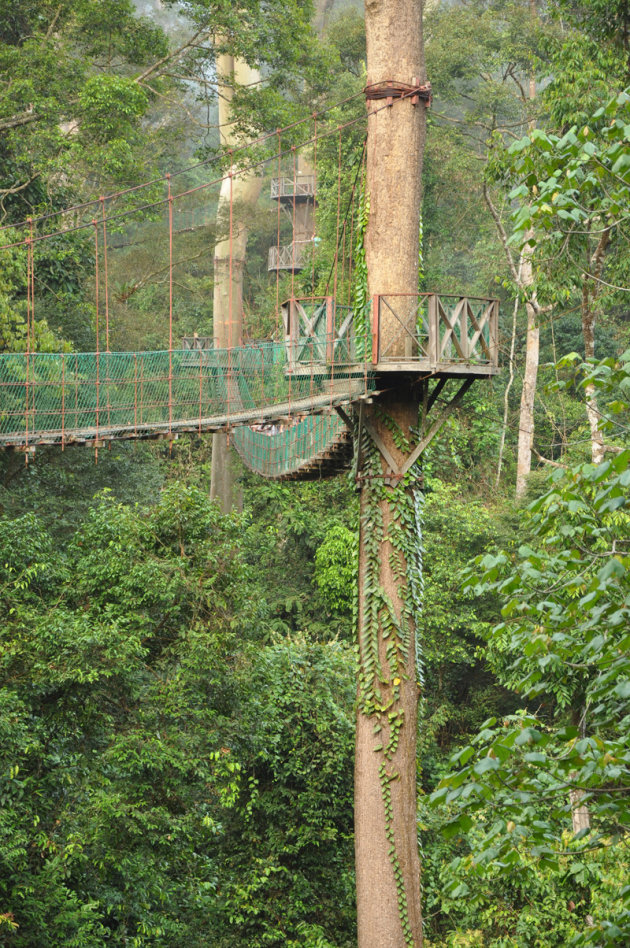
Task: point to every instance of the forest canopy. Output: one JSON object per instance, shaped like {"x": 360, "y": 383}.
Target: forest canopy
{"x": 178, "y": 684}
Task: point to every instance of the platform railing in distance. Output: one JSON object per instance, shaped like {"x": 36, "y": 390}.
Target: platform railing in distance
{"x": 442, "y": 331}
{"x": 300, "y": 187}
{"x": 295, "y": 256}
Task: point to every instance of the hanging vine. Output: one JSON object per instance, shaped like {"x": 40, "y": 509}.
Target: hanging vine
{"x": 380, "y": 681}
{"x": 360, "y": 298}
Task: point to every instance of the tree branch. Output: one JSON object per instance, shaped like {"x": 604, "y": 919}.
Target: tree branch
{"x": 502, "y": 234}
{"x": 171, "y": 56}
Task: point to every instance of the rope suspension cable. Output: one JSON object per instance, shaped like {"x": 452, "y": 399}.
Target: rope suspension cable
{"x": 214, "y": 159}
{"x": 151, "y": 205}
{"x": 201, "y": 187}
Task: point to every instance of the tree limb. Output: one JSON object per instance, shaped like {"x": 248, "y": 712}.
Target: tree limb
{"x": 502, "y": 234}
{"x": 171, "y": 56}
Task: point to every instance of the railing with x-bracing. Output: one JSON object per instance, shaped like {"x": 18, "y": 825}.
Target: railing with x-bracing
{"x": 445, "y": 332}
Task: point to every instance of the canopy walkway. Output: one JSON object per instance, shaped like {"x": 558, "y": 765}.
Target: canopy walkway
{"x": 282, "y": 402}
{"x": 278, "y": 399}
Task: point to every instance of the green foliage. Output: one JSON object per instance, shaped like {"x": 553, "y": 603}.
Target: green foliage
{"x": 578, "y": 179}
{"x": 111, "y": 105}
{"x": 336, "y": 568}
{"x": 157, "y": 762}
{"x": 563, "y": 644}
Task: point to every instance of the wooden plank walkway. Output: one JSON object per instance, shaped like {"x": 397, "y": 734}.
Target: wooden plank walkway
{"x": 265, "y": 415}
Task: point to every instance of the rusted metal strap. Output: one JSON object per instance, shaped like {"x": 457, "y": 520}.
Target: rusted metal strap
{"x": 391, "y": 89}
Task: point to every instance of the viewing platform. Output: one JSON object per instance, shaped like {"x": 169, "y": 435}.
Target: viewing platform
{"x": 436, "y": 334}
{"x": 298, "y": 188}
{"x": 292, "y": 257}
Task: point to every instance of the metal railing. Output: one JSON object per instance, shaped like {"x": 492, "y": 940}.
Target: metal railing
{"x": 439, "y": 329}
{"x": 302, "y": 187}
{"x": 293, "y": 257}
{"x": 398, "y": 332}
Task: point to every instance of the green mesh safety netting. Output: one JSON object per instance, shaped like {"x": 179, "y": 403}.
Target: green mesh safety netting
{"x": 65, "y": 397}
{"x": 275, "y": 451}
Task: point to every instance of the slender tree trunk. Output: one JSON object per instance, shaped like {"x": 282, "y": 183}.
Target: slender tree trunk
{"x": 524, "y": 281}
{"x": 387, "y": 860}
{"x": 238, "y": 195}
{"x": 532, "y": 347}
{"x": 508, "y": 387}
{"x": 530, "y": 377}
{"x": 589, "y": 300}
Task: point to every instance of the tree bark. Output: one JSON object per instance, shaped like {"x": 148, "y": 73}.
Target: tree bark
{"x": 524, "y": 281}
{"x": 530, "y": 377}
{"x": 386, "y": 845}
{"x": 237, "y": 197}
{"x": 589, "y": 300}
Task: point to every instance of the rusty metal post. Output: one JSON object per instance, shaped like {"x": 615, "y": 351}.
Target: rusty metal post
{"x": 434, "y": 331}
{"x": 330, "y": 331}
{"x": 376, "y": 320}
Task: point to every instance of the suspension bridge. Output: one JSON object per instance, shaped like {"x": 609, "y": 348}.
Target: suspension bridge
{"x": 287, "y": 403}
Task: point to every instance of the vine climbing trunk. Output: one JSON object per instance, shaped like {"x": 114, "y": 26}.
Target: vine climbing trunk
{"x": 386, "y": 845}
{"x": 238, "y": 196}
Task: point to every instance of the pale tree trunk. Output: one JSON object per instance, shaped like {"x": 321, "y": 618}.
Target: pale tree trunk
{"x": 532, "y": 346}
{"x": 589, "y": 301}
{"x": 386, "y": 845}
{"x": 240, "y": 193}
{"x": 508, "y": 387}
{"x": 530, "y": 377}
{"x": 524, "y": 281}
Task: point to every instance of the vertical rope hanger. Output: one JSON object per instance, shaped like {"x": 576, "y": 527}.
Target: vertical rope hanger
{"x": 107, "y": 360}
{"x": 103, "y": 215}
{"x": 230, "y": 306}
{"x": 314, "y": 206}
{"x": 30, "y": 326}
{"x": 170, "y": 310}
{"x": 293, "y": 224}
{"x": 338, "y": 214}
{"x": 278, "y": 326}
{"x": 98, "y": 367}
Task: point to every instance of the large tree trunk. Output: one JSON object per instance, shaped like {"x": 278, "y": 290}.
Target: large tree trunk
{"x": 238, "y": 196}
{"x": 387, "y": 861}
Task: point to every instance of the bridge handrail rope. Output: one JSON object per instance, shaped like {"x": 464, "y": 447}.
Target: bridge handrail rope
{"x": 219, "y": 158}
{"x": 245, "y": 170}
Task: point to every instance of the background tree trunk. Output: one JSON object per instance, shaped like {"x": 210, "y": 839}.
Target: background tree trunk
{"x": 241, "y": 193}
{"x": 532, "y": 347}
{"x": 590, "y": 292}
{"x": 387, "y": 860}
{"x": 530, "y": 377}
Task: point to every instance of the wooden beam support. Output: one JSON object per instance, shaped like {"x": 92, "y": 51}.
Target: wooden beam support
{"x": 344, "y": 417}
{"x": 382, "y": 447}
{"x": 441, "y": 382}
{"x": 435, "y": 427}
